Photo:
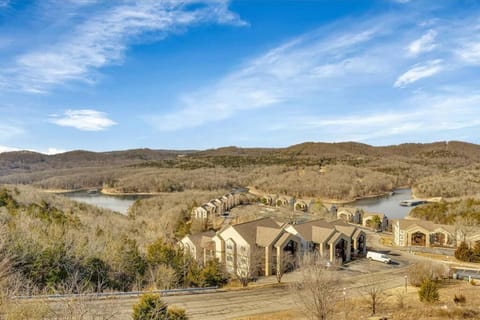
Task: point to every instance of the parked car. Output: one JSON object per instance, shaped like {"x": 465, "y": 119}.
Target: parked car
{"x": 377, "y": 256}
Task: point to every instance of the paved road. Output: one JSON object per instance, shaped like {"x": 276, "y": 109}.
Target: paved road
{"x": 251, "y": 301}
{"x": 239, "y": 303}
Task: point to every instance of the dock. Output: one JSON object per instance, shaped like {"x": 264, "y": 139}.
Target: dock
{"x": 412, "y": 202}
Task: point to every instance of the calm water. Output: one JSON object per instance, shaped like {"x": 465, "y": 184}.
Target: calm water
{"x": 116, "y": 203}
{"x": 389, "y": 205}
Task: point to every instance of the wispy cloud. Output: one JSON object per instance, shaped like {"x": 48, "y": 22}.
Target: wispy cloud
{"x": 85, "y": 120}
{"x": 103, "y": 38}
{"x": 425, "y": 43}
{"x": 8, "y": 131}
{"x": 49, "y": 151}
{"x": 419, "y": 115}
{"x": 7, "y": 149}
{"x": 301, "y": 86}
{"x": 4, "y": 3}
{"x": 307, "y": 65}
{"x": 469, "y": 52}
{"x": 418, "y": 72}
{"x": 52, "y": 150}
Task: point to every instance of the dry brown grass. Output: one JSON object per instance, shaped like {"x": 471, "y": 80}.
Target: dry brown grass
{"x": 400, "y": 306}
{"x": 282, "y": 315}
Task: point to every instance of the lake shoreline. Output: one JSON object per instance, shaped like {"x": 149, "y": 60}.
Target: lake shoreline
{"x": 113, "y": 192}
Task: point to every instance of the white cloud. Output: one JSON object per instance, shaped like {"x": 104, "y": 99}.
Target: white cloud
{"x": 418, "y": 72}
{"x": 49, "y": 151}
{"x": 418, "y": 116}
{"x": 425, "y": 43}
{"x": 470, "y": 52}
{"x": 8, "y": 149}
{"x": 52, "y": 150}
{"x": 303, "y": 66}
{"x": 4, "y": 3}
{"x": 85, "y": 120}
{"x": 103, "y": 39}
{"x": 8, "y": 131}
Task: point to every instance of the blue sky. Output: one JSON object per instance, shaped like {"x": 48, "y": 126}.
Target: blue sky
{"x": 170, "y": 74}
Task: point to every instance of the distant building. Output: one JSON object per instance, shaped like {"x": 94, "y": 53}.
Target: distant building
{"x": 367, "y": 218}
{"x": 302, "y": 205}
{"x": 423, "y": 233}
{"x": 217, "y": 207}
{"x": 350, "y": 214}
{"x": 200, "y": 246}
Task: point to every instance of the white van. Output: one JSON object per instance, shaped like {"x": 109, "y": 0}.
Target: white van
{"x": 378, "y": 257}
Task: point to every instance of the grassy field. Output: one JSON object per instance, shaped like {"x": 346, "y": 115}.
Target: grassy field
{"x": 397, "y": 305}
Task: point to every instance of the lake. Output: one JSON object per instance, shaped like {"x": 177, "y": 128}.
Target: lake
{"x": 389, "y": 205}
{"x": 116, "y": 203}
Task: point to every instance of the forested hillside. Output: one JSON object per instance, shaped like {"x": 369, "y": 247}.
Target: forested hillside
{"x": 341, "y": 171}
{"x": 51, "y": 244}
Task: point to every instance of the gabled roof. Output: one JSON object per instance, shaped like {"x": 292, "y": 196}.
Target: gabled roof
{"x": 335, "y": 238}
{"x": 352, "y": 210}
{"x": 305, "y": 229}
{"x": 248, "y": 230}
{"x": 429, "y": 226}
{"x": 284, "y": 239}
{"x": 321, "y": 235}
{"x": 357, "y": 233}
{"x": 347, "y": 229}
{"x": 200, "y": 239}
{"x": 372, "y": 214}
{"x": 267, "y": 235}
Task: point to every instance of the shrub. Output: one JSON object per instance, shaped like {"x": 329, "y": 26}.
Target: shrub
{"x": 463, "y": 252}
{"x": 150, "y": 307}
{"x": 459, "y": 299}
{"x": 176, "y": 313}
{"x": 419, "y": 272}
{"x": 212, "y": 274}
{"x": 428, "y": 291}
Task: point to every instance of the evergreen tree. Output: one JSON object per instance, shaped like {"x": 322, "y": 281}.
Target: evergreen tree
{"x": 428, "y": 291}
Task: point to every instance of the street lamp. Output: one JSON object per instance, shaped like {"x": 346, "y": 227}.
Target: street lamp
{"x": 406, "y": 282}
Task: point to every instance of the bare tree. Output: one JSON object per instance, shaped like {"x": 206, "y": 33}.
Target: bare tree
{"x": 249, "y": 264}
{"x": 426, "y": 270}
{"x": 374, "y": 294}
{"x": 466, "y": 226}
{"x": 318, "y": 291}
{"x": 161, "y": 277}
{"x": 285, "y": 263}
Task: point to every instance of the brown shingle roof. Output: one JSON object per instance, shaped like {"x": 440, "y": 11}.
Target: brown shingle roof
{"x": 283, "y": 238}
{"x": 428, "y": 225}
{"x": 335, "y": 237}
{"x": 357, "y": 233}
{"x": 320, "y": 234}
{"x": 305, "y": 229}
{"x": 371, "y": 214}
{"x": 198, "y": 238}
{"x": 248, "y": 230}
{"x": 266, "y": 235}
